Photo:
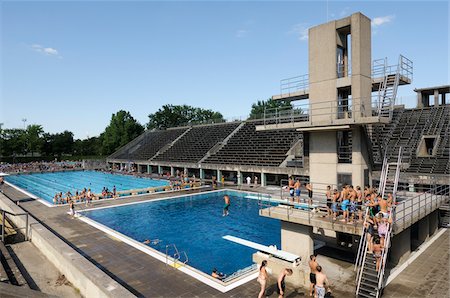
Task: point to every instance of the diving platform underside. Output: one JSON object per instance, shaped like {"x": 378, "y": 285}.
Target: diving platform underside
{"x": 304, "y": 93}
{"x": 305, "y": 123}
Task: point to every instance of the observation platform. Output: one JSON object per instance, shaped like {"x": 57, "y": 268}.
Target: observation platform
{"x": 411, "y": 207}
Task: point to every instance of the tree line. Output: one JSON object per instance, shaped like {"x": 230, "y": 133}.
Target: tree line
{"x": 34, "y": 141}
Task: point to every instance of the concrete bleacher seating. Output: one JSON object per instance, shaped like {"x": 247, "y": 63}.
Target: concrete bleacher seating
{"x": 407, "y": 128}
{"x": 148, "y": 144}
{"x": 196, "y": 143}
{"x": 256, "y": 148}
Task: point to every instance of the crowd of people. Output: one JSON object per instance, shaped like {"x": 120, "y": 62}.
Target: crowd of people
{"x": 39, "y": 166}
{"x": 319, "y": 285}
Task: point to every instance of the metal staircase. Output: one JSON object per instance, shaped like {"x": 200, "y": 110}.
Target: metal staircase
{"x": 370, "y": 282}
{"x": 387, "y": 91}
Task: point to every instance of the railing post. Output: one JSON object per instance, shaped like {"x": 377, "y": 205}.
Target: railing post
{"x": 26, "y": 227}
{"x": 3, "y": 226}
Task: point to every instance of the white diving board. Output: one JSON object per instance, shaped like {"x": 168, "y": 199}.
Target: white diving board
{"x": 263, "y": 248}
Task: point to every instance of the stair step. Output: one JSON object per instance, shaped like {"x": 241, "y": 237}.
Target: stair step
{"x": 365, "y": 295}
{"x": 370, "y": 275}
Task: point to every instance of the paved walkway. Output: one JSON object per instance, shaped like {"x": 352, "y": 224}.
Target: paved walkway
{"x": 427, "y": 276}
{"x": 138, "y": 272}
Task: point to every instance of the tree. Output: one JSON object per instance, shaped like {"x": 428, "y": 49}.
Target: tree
{"x": 86, "y": 147}
{"x": 121, "y": 130}
{"x": 13, "y": 142}
{"x": 34, "y": 138}
{"x": 62, "y": 143}
{"x": 176, "y": 115}
{"x": 269, "y": 106}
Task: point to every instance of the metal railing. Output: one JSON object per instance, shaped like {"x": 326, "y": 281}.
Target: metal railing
{"x": 294, "y": 84}
{"x": 332, "y": 111}
{"x": 4, "y": 213}
{"x": 176, "y": 257}
{"x": 380, "y": 69}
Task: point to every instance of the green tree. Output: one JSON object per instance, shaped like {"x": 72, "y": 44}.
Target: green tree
{"x": 176, "y": 115}
{"x": 86, "y": 147}
{"x": 13, "y": 142}
{"x": 62, "y": 143}
{"x": 34, "y": 140}
{"x": 121, "y": 130}
{"x": 258, "y": 108}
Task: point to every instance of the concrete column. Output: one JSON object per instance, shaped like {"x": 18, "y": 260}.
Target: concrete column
{"x": 424, "y": 230}
{"x": 239, "y": 177}
{"x": 202, "y": 174}
{"x": 263, "y": 179}
{"x": 219, "y": 175}
{"x": 172, "y": 171}
{"x": 160, "y": 171}
{"x": 443, "y": 99}
{"x": 436, "y": 98}
{"x": 433, "y": 222}
{"x": 185, "y": 170}
{"x": 419, "y": 99}
{"x": 401, "y": 246}
{"x": 296, "y": 239}
{"x": 149, "y": 169}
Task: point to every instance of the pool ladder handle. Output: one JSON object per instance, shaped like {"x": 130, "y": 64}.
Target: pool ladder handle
{"x": 176, "y": 255}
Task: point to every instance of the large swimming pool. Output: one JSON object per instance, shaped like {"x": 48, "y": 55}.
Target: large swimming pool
{"x": 46, "y": 185}
{"x": 195, "y": 225}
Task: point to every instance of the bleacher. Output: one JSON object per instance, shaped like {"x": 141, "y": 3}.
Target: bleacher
{"x": 407, "y": 129}
{"x": 196, "y": 143}
{"x": 148, "y": 144}
{"x": 256, "y": 148}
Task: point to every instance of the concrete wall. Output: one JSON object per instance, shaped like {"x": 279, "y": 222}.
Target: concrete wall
{"x": 85, "y": 276}
{"x": 401, "y": 247}
{"x": 323, "y": 158}
{"x": 297, "y": 239}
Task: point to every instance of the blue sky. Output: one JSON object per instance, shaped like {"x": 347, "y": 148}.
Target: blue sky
{"x": 70, "y": 65}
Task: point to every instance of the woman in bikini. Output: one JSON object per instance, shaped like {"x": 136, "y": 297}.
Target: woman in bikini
{"x": 262, "y": 278}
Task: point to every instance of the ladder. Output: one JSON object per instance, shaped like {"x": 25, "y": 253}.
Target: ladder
{"x": 370, "y": 282}
{"x": 176, "y": 256}
{"x": 387, "y": 91}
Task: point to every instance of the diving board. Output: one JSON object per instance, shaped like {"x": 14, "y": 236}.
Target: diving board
{"x": 267, "y": 249}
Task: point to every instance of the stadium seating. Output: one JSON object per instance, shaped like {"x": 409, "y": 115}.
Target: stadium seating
{"x": 257, "y": 148}
{"x": 194, "y": 145}
{"x": 148, "y": 144}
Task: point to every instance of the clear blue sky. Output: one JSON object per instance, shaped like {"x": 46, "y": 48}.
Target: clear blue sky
{"x": 70, "y": 65}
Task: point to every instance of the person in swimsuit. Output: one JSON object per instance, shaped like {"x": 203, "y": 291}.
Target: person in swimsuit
{"x": 329, "y": 200}
{"x": 383, "y": 227}
{"x": 321, "y": 283}
{"x": 370, "y": 232}
{"x": 226, "y": 206}
{"x": 359, "y": 202}
{"x": 310, "y": 193}
{"x": 281, "y": 285}
{"x": 344, "y": 203}
{"x": 297, "y": 187}
{"x": 312, "y": 275}
{"x": 334, "y": 203}
{"x": 291, "y": 188}
{"x": 377, "y": 253}
{"x": 262, "y": 278}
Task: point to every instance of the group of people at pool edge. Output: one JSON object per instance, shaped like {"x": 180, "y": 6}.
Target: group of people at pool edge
{"x": 319, "y": 285}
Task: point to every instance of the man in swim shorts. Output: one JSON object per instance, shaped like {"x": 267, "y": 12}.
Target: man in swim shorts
{"x": 321, "y": 283}
{"x": 226, "y": 205}
{"x": 281, "y": 285}
{"x": 312, "y": 275}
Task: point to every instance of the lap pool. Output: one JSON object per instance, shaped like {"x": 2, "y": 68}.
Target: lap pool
{"x": 194, "y": 223}
{"x": 46, "y": 185}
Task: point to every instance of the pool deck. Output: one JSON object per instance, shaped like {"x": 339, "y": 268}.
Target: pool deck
{"x": 140, "y": 273}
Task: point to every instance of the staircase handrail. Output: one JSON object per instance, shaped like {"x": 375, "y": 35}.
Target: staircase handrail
{"x": 360, "y": 272}
{"x": 384, "y": 254}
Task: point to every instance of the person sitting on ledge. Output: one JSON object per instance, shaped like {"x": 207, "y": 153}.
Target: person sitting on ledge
{"x": 218, "y": 275}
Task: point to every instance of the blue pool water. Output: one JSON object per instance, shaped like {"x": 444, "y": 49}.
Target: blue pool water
{"x": 195, "y": 224}
{"x": 45, "y": 185}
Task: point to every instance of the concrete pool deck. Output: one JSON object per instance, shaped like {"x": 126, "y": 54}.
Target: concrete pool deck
{"x": 138, "y": 272}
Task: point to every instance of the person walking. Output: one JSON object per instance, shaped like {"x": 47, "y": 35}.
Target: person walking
{"x": 262, "y": 278}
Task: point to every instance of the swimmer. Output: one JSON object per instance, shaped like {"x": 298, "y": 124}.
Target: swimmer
{"x": 226, "y": 199}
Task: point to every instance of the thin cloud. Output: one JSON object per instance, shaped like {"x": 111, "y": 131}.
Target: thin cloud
{"x": 344, "y": 12}
{"x": 300, "y": 30}
{"x": 241, "y": 33}
{"x": 378, "y": 21}
{"x": 46, "y": 50}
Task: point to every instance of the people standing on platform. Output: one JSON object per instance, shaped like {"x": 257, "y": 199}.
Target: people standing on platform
{"x": 256, "y": 180}
{"x": 263, "y": 277}
{"x": 281, "y": 285}
{"x": 328, "y": 195}
{"x": 312, "y": 275}
{"x": 309, "y": 188}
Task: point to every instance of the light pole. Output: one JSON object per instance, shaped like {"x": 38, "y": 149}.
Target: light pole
{"x": 24, "y": 120}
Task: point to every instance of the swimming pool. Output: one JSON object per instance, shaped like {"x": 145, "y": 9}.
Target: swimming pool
{"x": 46, "y": 185}
{"x": 195, "y": 225}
